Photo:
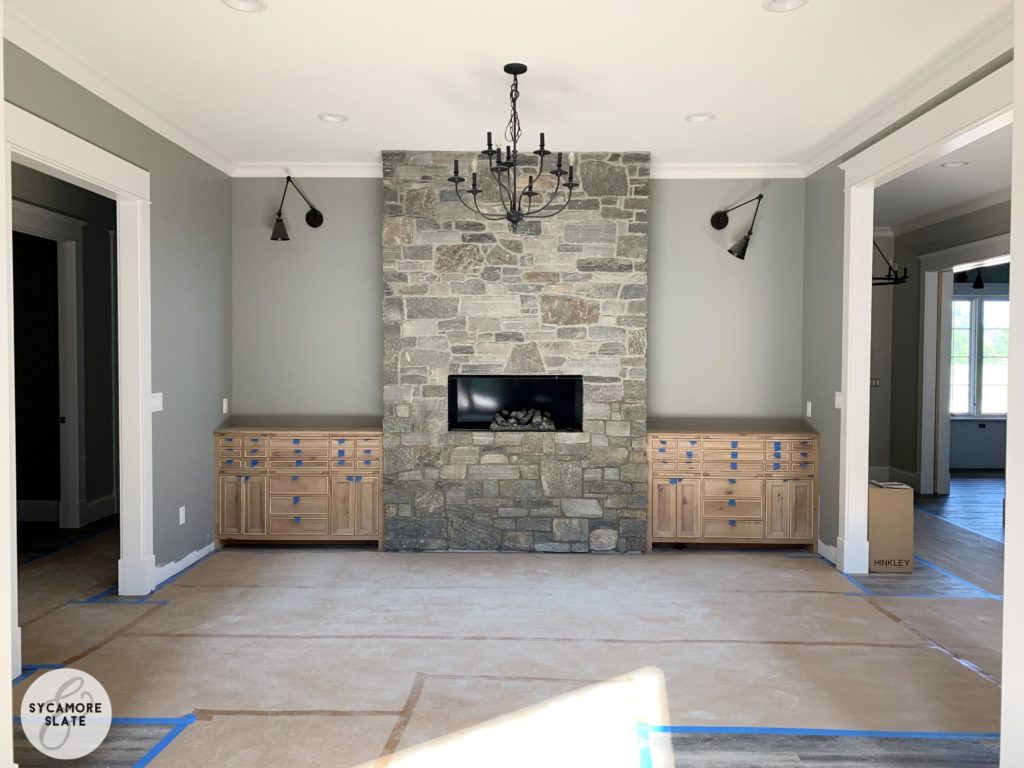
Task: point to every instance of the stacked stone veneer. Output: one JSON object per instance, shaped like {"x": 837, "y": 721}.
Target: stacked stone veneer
{"x": 565, "y": 295}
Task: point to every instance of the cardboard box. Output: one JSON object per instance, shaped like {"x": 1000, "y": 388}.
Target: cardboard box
{"x": 891, "y": 529}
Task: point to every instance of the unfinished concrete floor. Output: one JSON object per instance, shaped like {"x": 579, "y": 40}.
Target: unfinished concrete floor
{"x": 349, "y": 658}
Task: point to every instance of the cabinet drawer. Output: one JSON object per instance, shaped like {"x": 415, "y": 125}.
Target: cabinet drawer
{"x": 734, "y": 455}
{"x": 298, "y": 441}
{"x": 298, "y": 484}
{"x": 242, "y": 441}
{"x": 739, "y": 444}
{"x": 776, "y": 466}
{"x": 725, "y": 468}
{"x": 747, "y": 508}
{"x": 298, "y": 504}
{"x": 736, "y": 487}
{"x": 251, "y": 453}
{"x": 231, "y": 463}
{"x": 803, "y": 445}
{"x": 298, "y": 465}
{"x": 368, "y": 442}
{"x": 366, "y": 465}
{"x": 298, "y": 452}
{"x": 298, "y": 524}
{"x": 733, "y": 529}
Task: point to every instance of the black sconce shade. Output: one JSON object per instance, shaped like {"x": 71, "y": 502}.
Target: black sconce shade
{"x": 720, "y": 220}
{"x": 978, "y": 283}
{"x": 960, "y": 277}
{"x": 313, "y": 216}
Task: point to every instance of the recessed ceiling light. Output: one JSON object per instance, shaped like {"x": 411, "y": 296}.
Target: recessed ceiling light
{"x": 333, "y": 117}
{"x": 700, "y": 117}
{"x": 781, "y": 6}
{"x": 956, "y": 164}
{"x": 246, "y": 6}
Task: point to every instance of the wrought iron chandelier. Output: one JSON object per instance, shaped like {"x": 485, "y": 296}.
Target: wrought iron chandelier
{"x": 505, "y": 169}
{"x": 892, "y": 275}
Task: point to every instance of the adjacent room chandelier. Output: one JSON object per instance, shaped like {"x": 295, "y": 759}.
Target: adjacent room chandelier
{"x": 518, "y": 203}
{"x": 892, "y": 275}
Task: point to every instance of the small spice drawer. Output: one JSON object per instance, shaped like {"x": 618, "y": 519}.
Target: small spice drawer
{"x": 748, "y": 508}
{"x": 733, "y": 529}
{"x": 735, "y": 487}
{"x": 298, "y": 504}
{"x": 298, "y": 525}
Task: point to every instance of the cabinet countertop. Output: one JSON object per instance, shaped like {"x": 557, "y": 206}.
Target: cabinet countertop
{"x": 277, "y": 423}
{"x": 730, "y": 425}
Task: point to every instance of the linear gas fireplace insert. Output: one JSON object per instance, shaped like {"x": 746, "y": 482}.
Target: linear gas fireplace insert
{"x": 516, "y": 403}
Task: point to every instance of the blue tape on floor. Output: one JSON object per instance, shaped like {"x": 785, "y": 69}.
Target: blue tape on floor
{"x": 183, "y": 571}
{"x": 960, "y": 525}
{"x": 109, "y": 596}
{"x": 953, "y": 576}
{"x": 181, "y": 724}
{"x": 643, "y": 732}
{"x": 704, "y": 729}
{"x": 27, "y": 670}
{"x": 864, "y": 590}
{"x": 68, "y": 545}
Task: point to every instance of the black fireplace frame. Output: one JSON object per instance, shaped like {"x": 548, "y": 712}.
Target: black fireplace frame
{"x": 561, "y": 395}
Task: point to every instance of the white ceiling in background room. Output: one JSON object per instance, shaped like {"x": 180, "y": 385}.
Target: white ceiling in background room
{"x": 972, "y": 177}
{"x": 246, "y": 88}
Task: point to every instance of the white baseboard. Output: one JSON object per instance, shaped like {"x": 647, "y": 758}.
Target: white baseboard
{"x": 166, "y": 571}
{"x": 913, "y": 479}
{"x": 44, "y": 511}
{"x": 96, "y": 509}
{"x": 829, "y": 553}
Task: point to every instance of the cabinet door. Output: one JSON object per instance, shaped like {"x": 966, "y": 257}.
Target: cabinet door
{"x": 254, "y": 504}
{"x": 229, "y": 504}
{"x": 365, "y": 494}
{"x": 343, "y": 521}
{"x": 778, "y": 510}
{"x": 801, "y": 493}
{"x": 663, "y": 508}
{"x": 688, "y": 508}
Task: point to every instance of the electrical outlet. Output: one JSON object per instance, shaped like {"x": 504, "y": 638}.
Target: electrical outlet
{"x": 808, "y": 409}
{"x": 839, "y": 400}
{"x": 157, "y": 401}
{"x": 224, "y": 405}
{"x": 181, "y": 515}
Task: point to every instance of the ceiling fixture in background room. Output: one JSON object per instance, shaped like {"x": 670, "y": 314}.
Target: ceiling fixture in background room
{"x": 720, "y": 220}
{"x": 978, "y": 284}
{"x": 700, "y": 117}
{"x": 313, "y": 217}
{"x": 781, "y": 6}
{"x": 246, "y": 6}
{"x": 506, "y": 169}
{"x": 956, "y": 164}
{"x": 333, "y": 117}
{"x": 892, "y": 275}
{"x": 960, "y": 277}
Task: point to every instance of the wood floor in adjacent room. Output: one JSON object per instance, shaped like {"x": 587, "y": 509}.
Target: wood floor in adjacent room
{"x": 354, "y": 658}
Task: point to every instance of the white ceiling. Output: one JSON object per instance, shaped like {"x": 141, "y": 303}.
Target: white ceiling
{"x": 421, "y": 74}
{"x": 933, "y": 189}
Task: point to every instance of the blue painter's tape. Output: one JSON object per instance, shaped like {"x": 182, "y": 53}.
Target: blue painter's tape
{"x": 367, "y": 463}
{"x": 943, "y": 735}
{"x": 341, "y": 452}
{"x": 230, "y": 461}
{"x": 732, "y": 481}
{"x": 298, "y": 450}
{"x": 953, "y": 576}
{"x": 298, "y": 462}
{"x": 296, "y": 441}
{"x": 673, "y": 480}
{"x": 643, "y": 739}
{"x": 246, "y": 478}
{"x": 358, "y": 478}
{"x": 661, "y": 450}
{"x": 341, "y": 441}
{"x": 734, "y": 455}
{"x": 777, "y": 455}
{"x": 804, "y": 454}
{"x": 663, "y": 442}
{"x": 778, "y": 445}
{"x": 294, "y": 478}
{"x": 297, "y": 519}
{"x": 735, "y": 443}
{"x": 733, "y": 465}
{"x": 732, "y": 523}
{"x": 689, "y": 454}
{"x": 255, "y": 463}
{"x": 732, "y": 502}
{"x": 229, "y": 439}
{"x": 254, "y": 439}
{"x": 776, "y": 466}
{"x": 295, "y": 499}
{"x": 693, "y": 442}
{"x": 350, "y": 478}
{"x": 27, "y": 670}
{"x": 180, "y": 725}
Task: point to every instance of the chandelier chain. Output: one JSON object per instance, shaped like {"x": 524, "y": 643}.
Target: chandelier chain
{"x": 513, "y": 130}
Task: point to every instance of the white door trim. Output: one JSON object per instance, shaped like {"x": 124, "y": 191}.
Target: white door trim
{"x": 67, "y": 232}
{"x": 975, "y": 112}
{"x": 45, "y": 147}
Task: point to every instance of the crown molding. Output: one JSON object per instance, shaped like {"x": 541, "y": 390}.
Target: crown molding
{"x": 307, "y": 170}
{"x": 726, "y": 171}
{"x": 952, "y": 211}
{"x": 34, "y": 42}
{"x": 973, "y": 54}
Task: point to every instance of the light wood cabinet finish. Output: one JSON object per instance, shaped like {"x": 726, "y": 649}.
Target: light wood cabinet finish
{"x": 755, "y": 484}
{"x": 311, "y": 482}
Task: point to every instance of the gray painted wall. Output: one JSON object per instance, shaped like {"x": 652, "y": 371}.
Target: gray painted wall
{"x": 977, "y": 444}
{"x": 906, "y": 320}
{"x": 191, "y": 286}
{"x": 308, "y": 334}
{"x": 725, "y": 335}
{"x": 823, "y": 328}
{"x": 97, "y": 405}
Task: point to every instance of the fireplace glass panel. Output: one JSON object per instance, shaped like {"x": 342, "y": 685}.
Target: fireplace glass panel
{"x": 475, "y": 401}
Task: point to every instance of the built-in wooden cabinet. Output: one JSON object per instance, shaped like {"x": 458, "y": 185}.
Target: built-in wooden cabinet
{"x": 729, "y": 483}
{"x": 298, "y": 482}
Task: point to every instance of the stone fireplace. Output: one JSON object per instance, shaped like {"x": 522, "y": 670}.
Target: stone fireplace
{"x": 562, "y": 297}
